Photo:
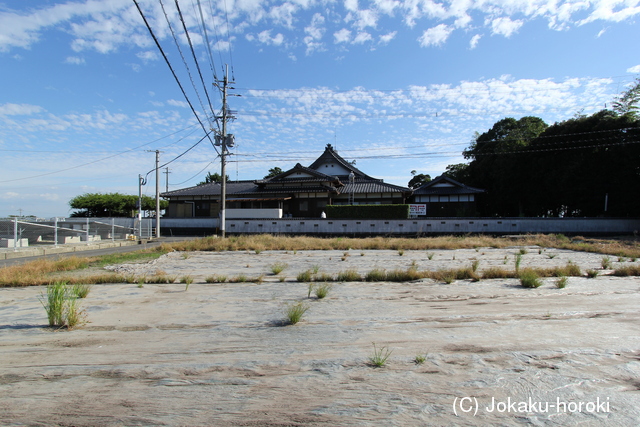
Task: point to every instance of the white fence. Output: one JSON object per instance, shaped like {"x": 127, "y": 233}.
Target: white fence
{"x": 24, "y": 232}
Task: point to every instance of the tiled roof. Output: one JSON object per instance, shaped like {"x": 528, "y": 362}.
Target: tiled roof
{"x": 372, "y": 186}
{"x": 330, "y": 154}
{"x": 283, "y": 177}
{"x": 211, "y": 189}
{"x": 456, "y": 187}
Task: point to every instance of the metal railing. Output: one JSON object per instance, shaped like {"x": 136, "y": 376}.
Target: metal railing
{"x": 21, "y": 232}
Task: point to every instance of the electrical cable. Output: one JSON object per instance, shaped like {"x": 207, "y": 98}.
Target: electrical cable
{"x": 194, "y": 176}
{"x": 195, "y": 60}
{"x": 180, "y": 155}
{"x": 173, "y": 72}
{"x": 184, "y": 61}
{"x": 206, "y": 38}
{"x": 92, "y": 162}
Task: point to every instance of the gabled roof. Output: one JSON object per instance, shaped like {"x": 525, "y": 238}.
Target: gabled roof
{"x": 372, "y": 186}
{"x": 298, "y": 168}
{"x": 211, "y": 189}
{"x": 445, "y": 185}
{"x": 330, "y": 155}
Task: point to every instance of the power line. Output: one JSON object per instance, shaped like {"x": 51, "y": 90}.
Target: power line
{"x": 92, "y": 162}
{"x": 206, "y": 38}
{"x": 195, "y": 59}
{"x": 172, "y": 71}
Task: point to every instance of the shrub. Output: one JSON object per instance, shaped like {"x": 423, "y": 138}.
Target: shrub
{"x": 350, "y": 275}
{"x": 420, "y": 359}
{"x": 605, "y": 263}
{"x": 216, "y": 279}
{"x": 518, "y": 261}
{"x": 80, "y": 290}
{"x": 61, "y": 305}
{"x": 430, "y": 256}
{"x": 376, "y": 275}
{"x": 322, "y": 291}
{"x": 278, "y": 267}
{"x": 304, "y": 276}
{"x": 529, "y": 279}
{"x": 380, "y": 356}
{"x": 240, "y": 278}
{"x": 561, "y": 283}
{"x": 474, "y": 265}
{"x": 403, "y": 275}
{"x": 627, "y": 270}
{"x": 187, "y": 280}
{"x": 592, "y": 274}
{"x": 497, "y": 273}
{"x": 294, "y": 312}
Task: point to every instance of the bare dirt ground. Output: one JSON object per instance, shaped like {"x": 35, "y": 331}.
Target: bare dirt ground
{"x": 218, "y": 355}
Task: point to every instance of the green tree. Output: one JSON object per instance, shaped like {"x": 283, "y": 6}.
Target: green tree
{"x": 497, "y": 164}
{"x": 459, "y": 172}
{"x": 111, "y": 205}
{"x": 418, "y": 179}
{"x": 273, "y": 172}
{"x": 209, "y": 178}
{"x": 627, "y": 102}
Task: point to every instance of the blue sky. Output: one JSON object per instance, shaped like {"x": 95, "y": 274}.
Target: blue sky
{"x": 397, "y": 85}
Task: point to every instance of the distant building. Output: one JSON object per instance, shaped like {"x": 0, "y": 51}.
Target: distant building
{"x": 446, "y": 197}
{"x": 305, "y": 191}
{"x": 299, "y": 192}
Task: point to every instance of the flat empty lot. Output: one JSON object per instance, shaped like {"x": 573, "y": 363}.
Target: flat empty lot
{"x": 219, "y": 355}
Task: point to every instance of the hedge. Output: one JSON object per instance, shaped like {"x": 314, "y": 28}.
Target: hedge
{"x": 367, "y": 211}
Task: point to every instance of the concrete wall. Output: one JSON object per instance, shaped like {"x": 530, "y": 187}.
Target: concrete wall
{"x": 251, "y": 213}
{"x": 586, "y": 226}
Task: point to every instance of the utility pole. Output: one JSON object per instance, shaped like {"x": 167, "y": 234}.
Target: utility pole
{"x": 223, "y": 140}
{"x": 141, "y": 181}
{"x": 166, "y": 172}
{"x": 157, "y": 194}
{"x": 157, "y": 191}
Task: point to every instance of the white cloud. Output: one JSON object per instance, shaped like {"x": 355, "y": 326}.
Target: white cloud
{"x": 634, "y": 69}
{"x": 314, "y": 32}
{"x": 342, "y": 36}
{"x": 435, "y": 36}
{"x": 474, "y": 41}
{"x": 74, "y": 60}
{"x": 283, "y": 14}
{"x": 601, "y": 33}
{"x": 148, "y": 55}
{"x": 265, "y": 37}
{"x": 19, "y": 109}
{"x": 386, "y": 38}
{"x": 362, "y": 38}
{"x": 505, "y": 26}
{"x": 351, "y": 5}
{"x": 176, "y": 103}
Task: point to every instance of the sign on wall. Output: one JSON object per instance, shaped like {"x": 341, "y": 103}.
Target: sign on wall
{"x": 417, "y": 210}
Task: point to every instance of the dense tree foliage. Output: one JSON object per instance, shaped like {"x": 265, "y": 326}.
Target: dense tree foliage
{"x": 212, "y": 177}
{"x": 111, "y": 205}
{"x": 584, "y": 166}
{"x": 418, "y": 179}
{"x": 275, "y": 171}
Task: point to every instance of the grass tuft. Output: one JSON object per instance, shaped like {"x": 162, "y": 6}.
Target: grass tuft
{"x": 294, "y": 312}
{"x": 278, "y": 267}
{"x": 530, "y": 279}
{"x": 380, "y": 356}
{"x": 562, "y": 281}
{"x": 592, "y": 274}
{"x": 349, "y": 275}
{"x": 322, "y": 290}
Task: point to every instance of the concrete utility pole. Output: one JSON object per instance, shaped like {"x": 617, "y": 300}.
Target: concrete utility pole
{"x": 157, "y": 193}
{"x": 166, "y": 172}
{"x": 223, "y": 140}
